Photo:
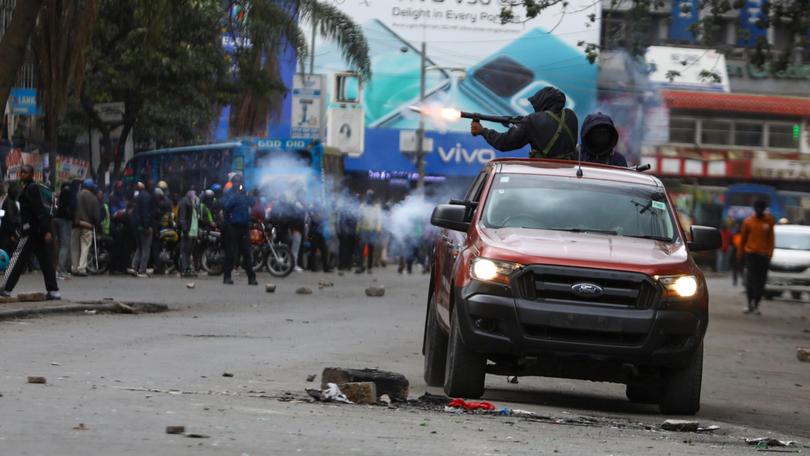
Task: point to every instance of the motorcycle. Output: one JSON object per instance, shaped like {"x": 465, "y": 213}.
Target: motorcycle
{"x": 212, "y": 251}
{"x": 99, "y": 257}
{"x": 267, "y": 252}
{"x": 168, "y": 259}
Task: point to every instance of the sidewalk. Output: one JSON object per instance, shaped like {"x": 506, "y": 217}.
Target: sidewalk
{"x": 27, "y": 305}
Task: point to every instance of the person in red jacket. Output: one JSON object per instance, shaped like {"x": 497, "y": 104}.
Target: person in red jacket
{"x": 757, "y": 249}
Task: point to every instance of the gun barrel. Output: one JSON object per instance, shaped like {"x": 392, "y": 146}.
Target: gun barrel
{"x": 491, "y": 118}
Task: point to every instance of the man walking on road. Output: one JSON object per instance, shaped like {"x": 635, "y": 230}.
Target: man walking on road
{"x": 757, "y": 249}
{"x": 142, "y": 219}
{"x": 36, "y": 237}
{"x": 237, "y": 216}
{"x": 188, "y": 222}
{"x": 85, "y": 220}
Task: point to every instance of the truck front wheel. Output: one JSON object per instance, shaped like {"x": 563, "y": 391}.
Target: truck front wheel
{"x": 681, "y": 395}
{"x": 465, "y": 371}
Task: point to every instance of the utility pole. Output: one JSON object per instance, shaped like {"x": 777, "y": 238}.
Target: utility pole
{"x": 312, "y": 47}
{"x": 420, "y": 132}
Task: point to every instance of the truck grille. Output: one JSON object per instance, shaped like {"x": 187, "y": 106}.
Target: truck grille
{"x": 557, "y": 284}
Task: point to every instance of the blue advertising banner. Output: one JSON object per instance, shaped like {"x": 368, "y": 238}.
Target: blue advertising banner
{"x": 24, "y": 102}
{"x": 684, "y": 14}
{"x": 473, "y": 63}
{"x": 750, "y": 14}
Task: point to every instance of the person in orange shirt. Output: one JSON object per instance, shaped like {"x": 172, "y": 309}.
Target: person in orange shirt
{"x": 757, "y": 249}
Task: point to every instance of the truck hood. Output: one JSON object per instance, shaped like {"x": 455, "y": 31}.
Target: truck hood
{"x": 790, "y": 258}
{"x": 561, "y": 247}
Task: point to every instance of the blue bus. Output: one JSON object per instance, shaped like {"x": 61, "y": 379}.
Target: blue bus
{"x": 269, "y": 165}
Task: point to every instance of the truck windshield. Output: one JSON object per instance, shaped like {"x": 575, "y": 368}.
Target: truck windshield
{"x": 548, "y": 203}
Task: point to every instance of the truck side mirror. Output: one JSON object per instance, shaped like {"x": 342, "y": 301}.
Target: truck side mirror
{"x": 704, "y": 238}
{"x": 450, "y": 216}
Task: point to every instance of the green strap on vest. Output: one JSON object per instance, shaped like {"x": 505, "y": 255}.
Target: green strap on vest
{"x": 105, "y": 224}
{"x": 560, "y": 127}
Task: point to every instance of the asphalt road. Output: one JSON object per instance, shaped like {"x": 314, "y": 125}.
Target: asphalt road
{"x": 128, "y": 377}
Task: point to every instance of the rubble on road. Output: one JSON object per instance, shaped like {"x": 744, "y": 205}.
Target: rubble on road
{"x": 385, "y": 400}
{"x": 680, "y": 425}
{"x": 765, "y": 442}
{"x": 375, "y": 292}
{"x": 80, "y": 427}
{"x": 37, "y": 380}
{"x": 197, "y": 436}
{"x": 227, "y": 374}
{"x": 311, "y": 378}
{"x": 270, "y": 288}
{"x": 175, "y": 429}
{"x": 803, "y": 355}
{"x": 304, "y": 291}
{"x": 325, "y": 284}
{"x": 191, "y": 285}
{"x": 363, "y": 393}
{"x": 395, "y": 385}
{"x": 331, "y": 393}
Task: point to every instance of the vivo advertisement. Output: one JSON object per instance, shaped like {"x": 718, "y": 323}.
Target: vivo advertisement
{"x": 473, "y": 63}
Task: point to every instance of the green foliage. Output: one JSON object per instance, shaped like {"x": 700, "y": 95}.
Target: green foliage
{"x": 165, "y": 61}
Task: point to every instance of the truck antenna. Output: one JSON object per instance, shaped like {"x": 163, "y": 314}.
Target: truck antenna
{"x": 579, "y": 160}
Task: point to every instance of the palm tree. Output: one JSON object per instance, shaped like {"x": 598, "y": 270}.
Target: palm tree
{"x": 268, "y": 26}
{"x": 61, "y": 36}
{"x": 15, "y": 42}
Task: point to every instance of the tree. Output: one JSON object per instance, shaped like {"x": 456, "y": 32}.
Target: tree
{"x": 265, "y": 27}
{"x": 63, "y": 31}
{"x": 14, "y": 44}
{"x": 793, "y": 16}
{"x": 165, "y": 62}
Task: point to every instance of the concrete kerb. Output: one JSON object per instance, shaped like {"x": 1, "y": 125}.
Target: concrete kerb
{"x": 34, "y": 309}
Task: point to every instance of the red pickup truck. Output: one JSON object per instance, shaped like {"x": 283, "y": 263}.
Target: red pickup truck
{"x": 551, "y": 269}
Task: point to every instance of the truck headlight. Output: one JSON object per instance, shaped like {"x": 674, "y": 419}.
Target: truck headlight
{"x": 488, "y": 270}
{"x": 684, "y": 286}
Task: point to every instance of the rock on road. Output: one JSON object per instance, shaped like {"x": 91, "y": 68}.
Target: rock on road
{"x": 125, "y": 378}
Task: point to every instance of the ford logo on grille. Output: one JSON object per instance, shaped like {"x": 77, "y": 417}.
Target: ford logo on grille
{"x": 587, "y": 290}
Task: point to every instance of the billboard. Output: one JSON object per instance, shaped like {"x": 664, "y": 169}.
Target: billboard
{"x": 474, "y": 63}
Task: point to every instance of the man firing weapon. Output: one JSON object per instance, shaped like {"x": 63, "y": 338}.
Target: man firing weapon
{"x": 551, "y": 130}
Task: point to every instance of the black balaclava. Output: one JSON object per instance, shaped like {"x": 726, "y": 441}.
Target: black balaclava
{"x": 548, "y": 99}
{"x": 600, "y": 140}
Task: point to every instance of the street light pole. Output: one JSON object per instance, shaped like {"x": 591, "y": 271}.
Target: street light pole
{"x": 420, "y": 132}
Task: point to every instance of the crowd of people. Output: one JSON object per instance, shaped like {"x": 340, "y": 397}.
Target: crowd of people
{"x": 64, "y": 231}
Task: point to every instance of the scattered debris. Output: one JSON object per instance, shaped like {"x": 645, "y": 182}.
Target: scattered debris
{"x": 513, "y": 380}
{"x": 680, "y": 425}
{"x": 325, "y": 284}
{"x": 37, "y": 380}
{"x": 191, "y": 285}
{"x": 54, "y": 363}
{"x": 471, "y": 405}
{"x": 391, "y": 383}
{"x": 175, "y": 429}
{"x": 227, "y": 374}
{"x": 31, "y": 297}
{"x": 330, "y": 394}
{"x": 385, "y": 400}
{"x": 304, "y": 291}
{"x": 270, "y": 288}
{"x": 363, "y": 393}
{"x": 311, "y": 378}
{"x": 375, "y": 292}
{"x": 711, "y": 428}
{"x": 765, "y": 442}
{"x": 91, "y": 312}
{"x": 197, "y": 436}
{"x": 80, "y": 427}
{"x": 803, "y": 354}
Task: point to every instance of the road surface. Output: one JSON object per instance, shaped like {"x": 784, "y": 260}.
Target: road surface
{"x": 126, "y": 378}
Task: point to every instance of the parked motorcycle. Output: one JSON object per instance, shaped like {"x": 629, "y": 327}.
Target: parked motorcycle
{"x": 98, "y": 259}
{"x": 212, "y": 251}
{"x": 267, "y": 252}
{"x": 168, "y": 259}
